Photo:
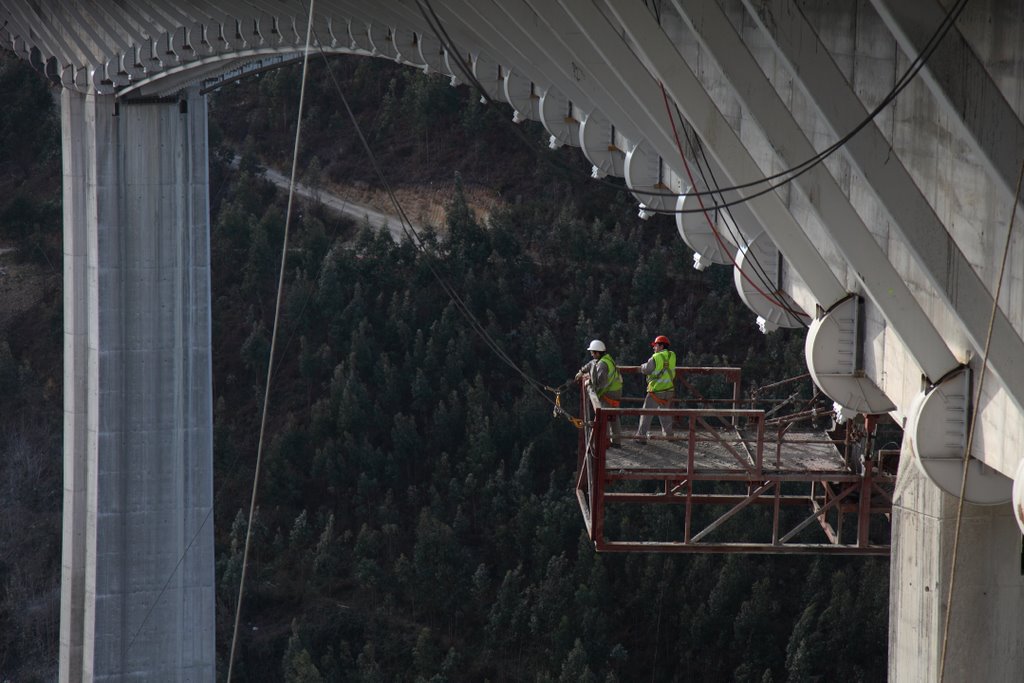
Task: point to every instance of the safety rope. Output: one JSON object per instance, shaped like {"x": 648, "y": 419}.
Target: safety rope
{"x": 970, "y": 431}
{"x": 560, "y": 411}
{"x": 421, "y": 246}
{"x": 273, "y": 343}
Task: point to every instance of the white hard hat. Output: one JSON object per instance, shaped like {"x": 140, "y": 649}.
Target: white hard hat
{"x": 596, "y": 345}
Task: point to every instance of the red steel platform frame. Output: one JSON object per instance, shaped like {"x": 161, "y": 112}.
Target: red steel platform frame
{"x": 726, "y": 465}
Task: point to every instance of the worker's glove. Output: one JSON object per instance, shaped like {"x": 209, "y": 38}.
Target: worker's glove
{"x": 579, "y": 376}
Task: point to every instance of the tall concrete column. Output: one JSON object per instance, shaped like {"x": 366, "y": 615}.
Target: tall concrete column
{"x": 137, "y": 597}
{"x": 986, "y": 635}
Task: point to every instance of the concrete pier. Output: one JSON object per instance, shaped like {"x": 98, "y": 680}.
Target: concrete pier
{"x": 138, "y": 569}
{"x": 985, "y": 640}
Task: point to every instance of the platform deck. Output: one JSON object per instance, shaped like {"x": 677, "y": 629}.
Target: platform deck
{"x": 801, "y": 454}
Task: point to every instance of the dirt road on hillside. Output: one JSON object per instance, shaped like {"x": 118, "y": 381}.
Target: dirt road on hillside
{"x": 424, "y": 205}
{"x": 341, "y": 205}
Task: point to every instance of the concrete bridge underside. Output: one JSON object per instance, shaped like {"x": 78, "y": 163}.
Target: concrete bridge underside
{"x": 891, "y": 249}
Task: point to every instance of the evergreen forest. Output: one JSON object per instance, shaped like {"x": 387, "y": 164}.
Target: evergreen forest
{"x": 416, "y": 514}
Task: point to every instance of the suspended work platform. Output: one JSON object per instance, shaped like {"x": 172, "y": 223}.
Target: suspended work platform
{"x": 733, "y": 479}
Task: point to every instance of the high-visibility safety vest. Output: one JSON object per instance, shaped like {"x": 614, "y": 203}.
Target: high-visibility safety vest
{"x": 664, "y": 371}
{"x": 614, "y": 377}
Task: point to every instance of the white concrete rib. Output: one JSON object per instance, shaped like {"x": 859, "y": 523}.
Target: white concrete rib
{"x": 838, "y": 217}
{"x": 962, "y": 84}
{"x": 722, "y": 143}
{"x": 935, "y": 250}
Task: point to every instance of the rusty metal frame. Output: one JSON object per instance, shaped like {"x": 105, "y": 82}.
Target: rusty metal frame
{"x": 832, "y": 500}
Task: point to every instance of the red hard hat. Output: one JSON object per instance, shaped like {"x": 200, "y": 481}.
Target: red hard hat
{"x": 660, "y": 339}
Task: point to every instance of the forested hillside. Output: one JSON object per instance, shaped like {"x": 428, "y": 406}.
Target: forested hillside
{"x": 416, "y": 514}
{"x": 30, "y": 375}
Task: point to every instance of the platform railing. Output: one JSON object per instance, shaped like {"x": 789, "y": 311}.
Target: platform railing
{"x": 739, "y": 435}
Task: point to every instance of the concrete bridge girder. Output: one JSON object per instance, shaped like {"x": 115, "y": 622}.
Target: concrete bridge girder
{"x": 522, "y": 97}
{"x": 651, "y": 181}
{"x": 522, "y": 79}
{"x": 597, "y": 140}
{"x": 684, "y": 89}
{"x": 834, "y": 355}
{"x": 937, "y": 431}
{"x": 559, "y": 115}
{"x": 512, "y": 79}
{"x": 406, "y": 47}
{"x": 189, "y": 43}
{"x": 266, "y": 28}
{"x": 602, "y": 142}
{"x": 518, "y": 35}
{"x": 962, "y": 85}
{"x": 381, "y": 44}
{"x": 490, "y": 75}
{"x": 432, "y": 54}
{"x": 359, "y": 37}
{"x": 843, "y": 225}
{"x": 387, "y": 35}
{"x": 960, "y": 305}
{"x": 607, "y": 146}
{"x": 559, "y": 119}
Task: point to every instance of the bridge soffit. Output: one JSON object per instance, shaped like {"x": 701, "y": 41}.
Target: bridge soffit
{"x": 684, "y": 88}
{"x": 963, "y": 300}
{"x": 615, "y": 71}
{"x": 145, "y": 50}
{"x": 797, "y": 44}
{"x": 600, "y": 70}
{"x": 155, "y": 51}
{"x": 838, "y": 218}
{"x": 140, "y": 48}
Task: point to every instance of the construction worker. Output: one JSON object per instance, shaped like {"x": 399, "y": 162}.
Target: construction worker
{"x": 607, "y": 382}
{"x": 660, "y": 369}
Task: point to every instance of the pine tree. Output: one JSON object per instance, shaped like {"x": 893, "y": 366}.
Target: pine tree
{"x": 575, "y": 668}
{"x": 298, "y": 663}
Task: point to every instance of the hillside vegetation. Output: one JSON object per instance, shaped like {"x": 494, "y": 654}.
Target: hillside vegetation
{"x": 416, "y": 514}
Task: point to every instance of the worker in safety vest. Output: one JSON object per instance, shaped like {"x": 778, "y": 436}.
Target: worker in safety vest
{"x": 607, "y": 382}
{"x": 660, "y": 369}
